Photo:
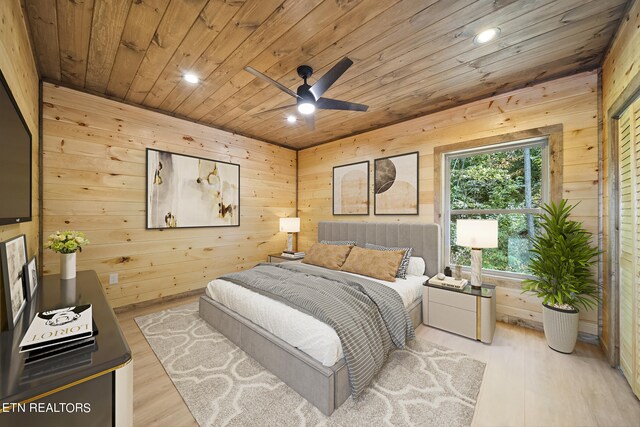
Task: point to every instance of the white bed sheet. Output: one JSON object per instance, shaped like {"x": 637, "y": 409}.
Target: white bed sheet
{"x": 299, "y": 329}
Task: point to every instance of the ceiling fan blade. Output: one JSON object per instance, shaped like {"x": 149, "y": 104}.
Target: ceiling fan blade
{"x": 311, "y": 121}
{"x": 270, "y": 80}
{"x": 330, "y": 77}
{"x": 336, "y": 104}
{"x": 271, "y": 110}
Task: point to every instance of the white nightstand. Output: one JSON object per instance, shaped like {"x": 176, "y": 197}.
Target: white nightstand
{"x": 467, "y": 312}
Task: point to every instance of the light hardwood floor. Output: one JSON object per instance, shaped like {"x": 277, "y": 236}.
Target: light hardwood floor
{"x": 525, "y": 383}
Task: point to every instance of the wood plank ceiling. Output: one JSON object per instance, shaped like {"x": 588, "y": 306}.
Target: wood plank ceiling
{"x": 410, "y": 57}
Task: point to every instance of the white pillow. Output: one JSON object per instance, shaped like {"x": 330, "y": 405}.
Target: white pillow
{"x": 416, "y": 266}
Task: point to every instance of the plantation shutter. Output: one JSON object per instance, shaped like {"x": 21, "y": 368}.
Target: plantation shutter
{"x": 635, "y": 132}
{"x": 629, "y": 241}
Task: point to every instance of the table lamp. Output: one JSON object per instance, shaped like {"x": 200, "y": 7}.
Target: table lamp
{"x": 290, "y": 225}
{"x": 477, "y": 234}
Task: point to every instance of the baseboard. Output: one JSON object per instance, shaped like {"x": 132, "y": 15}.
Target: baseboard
{"x": 125, "y": 308}
{"x": 533, "y": 324}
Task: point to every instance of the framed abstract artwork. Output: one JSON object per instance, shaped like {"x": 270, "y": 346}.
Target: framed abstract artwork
{"x": 396, "y": 185}
{"x": 13, "y": 257}
{"x": 351, "y": 189}
{"x": 186, "y": 192}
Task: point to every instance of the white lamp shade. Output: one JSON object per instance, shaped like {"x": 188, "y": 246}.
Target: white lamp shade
{"x": 290, "y": 225}
{"x": 477, "y": 233}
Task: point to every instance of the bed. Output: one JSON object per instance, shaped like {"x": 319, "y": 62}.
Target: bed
{"x": 326, "y": 387}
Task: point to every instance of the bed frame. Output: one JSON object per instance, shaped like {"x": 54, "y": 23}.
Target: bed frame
{"x": 324, "y": 387}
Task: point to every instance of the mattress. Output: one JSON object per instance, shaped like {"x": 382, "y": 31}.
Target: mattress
{"x": 299, "y": 329}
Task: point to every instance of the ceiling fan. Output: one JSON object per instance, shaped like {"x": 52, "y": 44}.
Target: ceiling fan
{"x": 309, "y": 98}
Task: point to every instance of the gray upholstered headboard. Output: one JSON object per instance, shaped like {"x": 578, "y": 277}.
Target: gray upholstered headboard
{"x": 423, "y": 238}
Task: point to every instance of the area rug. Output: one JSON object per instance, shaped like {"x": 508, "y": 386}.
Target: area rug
{"x": 422, "y": 385}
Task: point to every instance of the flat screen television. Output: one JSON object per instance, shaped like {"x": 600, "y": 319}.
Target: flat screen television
{"x": 15, "y": 160}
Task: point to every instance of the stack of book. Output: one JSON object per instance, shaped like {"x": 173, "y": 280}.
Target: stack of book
{"x": 60, "y": 331}
{"x": 448, "y": 282}
{"x": 292, "y": 255}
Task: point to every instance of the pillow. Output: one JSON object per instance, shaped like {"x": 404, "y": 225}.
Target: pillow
{"x": 339, "y": 242}
{"x": 416, "y": 266}
{"x": 328, "y": 256}
{"x": 381, "y": 265}
{"x": 402, "y": 270}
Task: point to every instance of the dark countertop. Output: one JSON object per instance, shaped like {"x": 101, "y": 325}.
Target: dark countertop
{"x": 20, "y": 382}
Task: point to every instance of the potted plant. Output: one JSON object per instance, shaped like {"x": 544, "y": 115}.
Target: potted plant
{"x": 562, "y": 258}
{"x": 67, "y": 243}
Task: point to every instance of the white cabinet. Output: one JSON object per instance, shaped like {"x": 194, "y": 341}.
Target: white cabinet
{"x": 468, "y": 312}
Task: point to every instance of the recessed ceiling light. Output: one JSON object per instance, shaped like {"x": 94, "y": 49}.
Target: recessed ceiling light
{"x": 486, "y": 35}
{"x": 191, "y": 78}
{"x": 291, "y": 119}
{"x": 306, "y": 108}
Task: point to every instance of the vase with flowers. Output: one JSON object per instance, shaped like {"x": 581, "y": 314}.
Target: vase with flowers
{"x": 67, "y": 243}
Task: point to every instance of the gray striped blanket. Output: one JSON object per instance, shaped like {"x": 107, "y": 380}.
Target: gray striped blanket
{"x": 369, "y": 318}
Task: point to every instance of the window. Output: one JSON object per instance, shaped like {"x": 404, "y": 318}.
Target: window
{"x": 508, "y": 182}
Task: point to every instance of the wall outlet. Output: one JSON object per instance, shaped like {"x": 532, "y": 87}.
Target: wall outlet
{"x": 113, "y": 278}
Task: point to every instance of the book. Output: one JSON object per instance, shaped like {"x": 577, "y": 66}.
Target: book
{"x": 448, "y": 282}
{"x": 65, "y": 348}
{"x": 293, "y": 256}
{"x": 54, "y": 327}
{"x": 55, "y": 350}
{"x": 292, "y": 253}
{"x": 58, "y": 362}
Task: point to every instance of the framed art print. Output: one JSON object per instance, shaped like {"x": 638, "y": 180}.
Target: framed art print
{"x": 13, "y": 256}
{"x": 396, "y": 185}
{"x": 30, "y": 275}
{"x": 186, "y": 191}
{"x": 351, "y": 189}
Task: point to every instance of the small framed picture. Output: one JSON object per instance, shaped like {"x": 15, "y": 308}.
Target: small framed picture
{"x": 30, "y": 275}
{"x": 13, "y": 257}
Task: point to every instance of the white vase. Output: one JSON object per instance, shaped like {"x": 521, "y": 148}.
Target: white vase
{"x": 560, "y": 328}
{"x": 68, "y": 266}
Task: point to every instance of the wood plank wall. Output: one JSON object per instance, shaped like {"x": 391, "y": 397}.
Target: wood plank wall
{"x": 94, "y": 181}
{"x": 570, "y": 101}
{"x": 19, "y": 69}
{"x": 620, "y": 75}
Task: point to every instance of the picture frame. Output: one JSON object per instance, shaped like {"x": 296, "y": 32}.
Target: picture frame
{"x": 350, "y": 188}
{"x": 13, "y": 257}
{"x": 184, "y": 191}
{"x": 30, "y": 275}
{"x": 396, "y": 186}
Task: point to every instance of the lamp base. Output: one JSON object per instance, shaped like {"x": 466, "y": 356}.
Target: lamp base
{"x": 289, "y": 242}
{"x": 476, "y": 268}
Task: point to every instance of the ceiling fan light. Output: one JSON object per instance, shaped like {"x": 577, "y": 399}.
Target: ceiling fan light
{"x": 306, "y": 108}
{"x": 191, "y": 78}
{"x": 486, "y": 35}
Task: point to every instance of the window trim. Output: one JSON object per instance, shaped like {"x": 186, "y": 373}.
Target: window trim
{"x": 553, "y": 191}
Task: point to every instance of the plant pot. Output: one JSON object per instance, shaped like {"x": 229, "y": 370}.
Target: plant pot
{"x": 68, "y": 266}
{"x": 560, "y": 328}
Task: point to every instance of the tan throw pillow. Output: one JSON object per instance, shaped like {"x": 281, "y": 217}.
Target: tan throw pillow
{"x": 328, "y": 256}
{"x": 381, "y": 265}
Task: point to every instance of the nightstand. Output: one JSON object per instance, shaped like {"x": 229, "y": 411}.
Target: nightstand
{"x": 467, "y": 312}
{"x": 276, "y": 258}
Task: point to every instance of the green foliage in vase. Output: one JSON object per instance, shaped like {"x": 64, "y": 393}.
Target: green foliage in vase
{"x": 66, "y": 242}
{"x": 562, "y": 257}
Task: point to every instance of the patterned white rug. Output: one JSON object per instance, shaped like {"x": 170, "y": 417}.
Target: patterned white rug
{"x": 423, "y": 385}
